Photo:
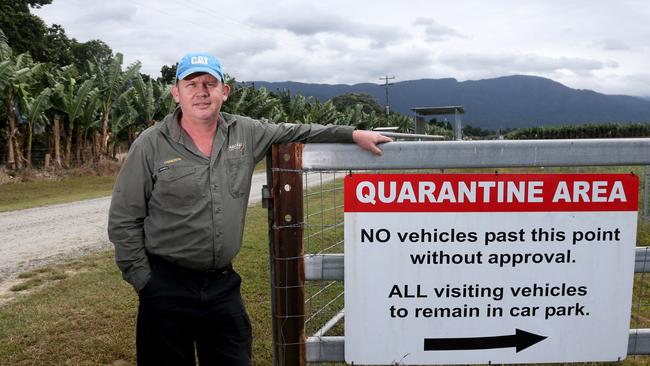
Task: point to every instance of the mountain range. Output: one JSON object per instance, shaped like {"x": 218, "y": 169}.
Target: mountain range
{"x": 505, "y": 102}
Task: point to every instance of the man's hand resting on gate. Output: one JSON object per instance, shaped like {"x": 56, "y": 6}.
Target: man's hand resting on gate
{"x": 368, "y": 140}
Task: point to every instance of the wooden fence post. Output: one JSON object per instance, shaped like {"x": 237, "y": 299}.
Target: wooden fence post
{"x": 287, "y": 262}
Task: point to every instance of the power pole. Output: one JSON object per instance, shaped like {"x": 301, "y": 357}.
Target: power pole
{"x": 386, "y": 85}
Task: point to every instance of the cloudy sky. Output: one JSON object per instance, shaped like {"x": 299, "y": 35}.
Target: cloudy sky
{"x": 603, "y": 45}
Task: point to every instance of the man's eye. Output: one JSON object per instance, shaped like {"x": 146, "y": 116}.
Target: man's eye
{"x": 211, "y": 85}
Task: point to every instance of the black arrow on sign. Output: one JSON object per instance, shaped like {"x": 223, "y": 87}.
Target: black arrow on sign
{"x": 521, "y": 340}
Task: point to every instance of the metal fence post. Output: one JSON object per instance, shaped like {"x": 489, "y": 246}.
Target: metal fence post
{"x": 288, "y": 274}
{"x": 267, "y": 202}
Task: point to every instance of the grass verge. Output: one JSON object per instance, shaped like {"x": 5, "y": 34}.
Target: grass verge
{"x": 82, "y": 313}
{"x": 17, "y": 196}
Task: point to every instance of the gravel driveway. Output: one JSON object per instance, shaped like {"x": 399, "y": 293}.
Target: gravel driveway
{"x": 36, "y": 237}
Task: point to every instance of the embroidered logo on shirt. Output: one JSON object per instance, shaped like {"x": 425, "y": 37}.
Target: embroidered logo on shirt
{"x": 163, "y": 168}
{"x": 172, "y": 161}
{"x": 238, "y": 146}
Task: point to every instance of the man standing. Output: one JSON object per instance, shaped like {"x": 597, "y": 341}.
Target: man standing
{"x": 177, "y": 216}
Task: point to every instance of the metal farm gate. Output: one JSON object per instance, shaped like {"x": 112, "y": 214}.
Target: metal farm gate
{"x": 306, "y": 223}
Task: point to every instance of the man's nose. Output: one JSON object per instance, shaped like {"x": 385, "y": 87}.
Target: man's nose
{"x": 202, "y": 88}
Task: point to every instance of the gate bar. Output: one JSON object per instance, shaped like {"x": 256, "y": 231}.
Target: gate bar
{"x": 332, "y": 349}
{"x": 479, "y": 154}
{"x": 329, "y": 267}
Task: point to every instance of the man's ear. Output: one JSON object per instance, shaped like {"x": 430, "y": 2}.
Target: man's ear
{"x": 226, "y": 91}
{"x": 175, "y": 93}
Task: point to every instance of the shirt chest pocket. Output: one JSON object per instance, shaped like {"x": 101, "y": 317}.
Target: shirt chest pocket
{"x": 178, "y": 185}
{"x": 239, "y": 175}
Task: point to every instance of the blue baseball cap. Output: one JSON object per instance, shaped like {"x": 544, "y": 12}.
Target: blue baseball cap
{"x": 198, "y": 62}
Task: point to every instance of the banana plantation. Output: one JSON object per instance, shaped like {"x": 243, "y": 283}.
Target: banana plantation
{"x": 604, "y": 130}
{"x": 63, "y": 117}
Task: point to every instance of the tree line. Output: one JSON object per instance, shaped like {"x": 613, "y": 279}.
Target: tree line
{"x": 79, "y": 115}
{"x": 77, "y": 101}
{"x": 585, "y": 131}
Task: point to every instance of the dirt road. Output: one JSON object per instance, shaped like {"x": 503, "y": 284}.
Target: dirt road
{"x": 35, "y": 237}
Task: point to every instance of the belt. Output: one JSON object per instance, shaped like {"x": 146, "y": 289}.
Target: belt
{"x": 158, "y": 260}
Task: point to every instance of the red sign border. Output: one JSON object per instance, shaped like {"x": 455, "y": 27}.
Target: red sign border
{"x": 630, "y": 184}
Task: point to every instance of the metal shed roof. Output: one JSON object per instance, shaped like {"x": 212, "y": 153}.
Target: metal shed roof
{"x": 429, "y": 111}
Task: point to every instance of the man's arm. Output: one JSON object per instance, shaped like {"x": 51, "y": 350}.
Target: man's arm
{"x": 126, "y": 217}
{"x": 265, "y": 134}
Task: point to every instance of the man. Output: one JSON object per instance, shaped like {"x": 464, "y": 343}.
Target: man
{"x": 177, "y": 213}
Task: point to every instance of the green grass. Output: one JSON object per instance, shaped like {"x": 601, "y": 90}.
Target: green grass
{"x": 16, "y": 196}
{"x": 260, "y": 167}
{"x": 81, "y": 319}
{"x": 26, "y": 285}
{"x": 82, "y": 313}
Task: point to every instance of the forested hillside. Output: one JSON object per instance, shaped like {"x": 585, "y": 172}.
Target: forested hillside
{"x": 506, "y": 102}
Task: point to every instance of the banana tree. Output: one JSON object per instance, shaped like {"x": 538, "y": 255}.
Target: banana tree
{"x": 237, "y": 99}
{"x": 111, "y": 82}
{"x": 124, "y": 119}
{"x": 7, "y": 75}
{"x": 137, "y": 108}
{"x": 404, "y": 123}
{"x": 323, "y": 113}
{"x": 88, "y": 121}
{"x": 35, "y": 109}
{"x": 165, "y": 103}
{"x": 71, "y": 99}
{"x": 294, "y": 106}
{"x": 264, "y": 104}
{"x": 255, "y": 103}
{"x": 145, "y": 102}
{"x": 355, "y": 116}
{"x": 16, "y": 78}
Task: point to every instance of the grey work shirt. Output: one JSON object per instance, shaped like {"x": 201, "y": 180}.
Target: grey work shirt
{"x": 172, "y": 201}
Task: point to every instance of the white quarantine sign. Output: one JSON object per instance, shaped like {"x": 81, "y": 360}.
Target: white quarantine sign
{"x": 480, "y": 268}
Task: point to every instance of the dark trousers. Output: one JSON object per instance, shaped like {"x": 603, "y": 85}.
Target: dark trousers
{"x": 182, "y": 312}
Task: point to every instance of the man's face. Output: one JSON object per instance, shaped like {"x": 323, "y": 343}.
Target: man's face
{"x": 200, "y": 96}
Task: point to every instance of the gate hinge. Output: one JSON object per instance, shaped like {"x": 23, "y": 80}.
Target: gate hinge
{"x": 267, "y": 197}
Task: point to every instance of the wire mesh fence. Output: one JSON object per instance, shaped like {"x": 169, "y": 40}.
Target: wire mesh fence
{"x": 323, "y": 200}
{"x": 324, "y": 306}
{"x": 321, "y": 227}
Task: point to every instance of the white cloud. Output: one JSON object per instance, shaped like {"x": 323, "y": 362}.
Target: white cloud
{"x": 612, "y": 44}
{"x": 435, "y": 32}
{"x": 523, "y": 63}
{"x": 585, "y": 44}
{"x": 310, "y": 23}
